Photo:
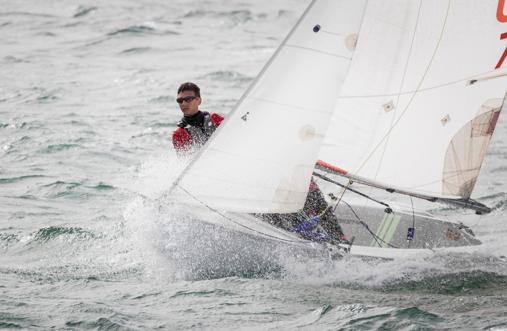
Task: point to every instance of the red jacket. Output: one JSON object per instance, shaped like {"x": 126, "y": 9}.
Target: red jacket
{"x": 187, "y": 135}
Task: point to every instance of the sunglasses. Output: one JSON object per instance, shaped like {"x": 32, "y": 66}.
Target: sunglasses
{"x": 186, "y": 99}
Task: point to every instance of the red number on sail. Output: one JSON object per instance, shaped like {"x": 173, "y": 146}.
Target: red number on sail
{"x": 504, "y": 55}
{"x": 500, "y": 15}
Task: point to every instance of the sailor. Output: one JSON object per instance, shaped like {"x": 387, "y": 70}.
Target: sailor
{"x": 196, "y": 126}
{"x": 317, "y": 206}
{"x": 315, "y": 222}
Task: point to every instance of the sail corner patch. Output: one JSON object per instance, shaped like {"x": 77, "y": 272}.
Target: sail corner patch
{"x": 444, "y": 120}
{"x": 307, "y": 132}
{"x": 351, "y": 41}
{"x": 388, "y": 106}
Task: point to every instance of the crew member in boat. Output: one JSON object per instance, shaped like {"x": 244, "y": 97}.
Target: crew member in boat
{"x": 196, "y": 126}
{"x": 316, "y": 221}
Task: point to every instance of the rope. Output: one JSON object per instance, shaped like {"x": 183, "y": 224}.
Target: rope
{"x": 405, "y": 69}
{"x": 375, "y": 237}
{"x": 347, "y": 187}
{"x": 231, "y": 220}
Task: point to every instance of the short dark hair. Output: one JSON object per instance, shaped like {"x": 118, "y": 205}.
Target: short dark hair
{"x": 188, "y": 86}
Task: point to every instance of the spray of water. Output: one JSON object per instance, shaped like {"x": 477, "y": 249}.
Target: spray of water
{"x": 181, "y": 243}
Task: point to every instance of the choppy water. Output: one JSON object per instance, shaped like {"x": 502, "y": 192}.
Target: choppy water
{"x": 86, "y": 110}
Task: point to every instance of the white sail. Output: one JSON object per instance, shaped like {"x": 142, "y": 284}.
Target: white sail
{"x": 262, "y": 157}
{"x": 422, "y": 96}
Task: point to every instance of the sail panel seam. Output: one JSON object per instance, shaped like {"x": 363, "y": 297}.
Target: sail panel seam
{"x": 259, "y": 185}
{"x": 418, "y": 91}
{"x": 316, "y": 110}
{"x": 216, "y": 150}
{"x": 319, "y": 51}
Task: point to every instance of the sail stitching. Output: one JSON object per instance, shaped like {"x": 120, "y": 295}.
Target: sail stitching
{"x": 455, "y": 175}
{"x": 289, "y": 105}
{"x": 332, "y": 33}
{"x": 259, "y": 185}
{"x": 319, "y": 51}
{"x": 468, "y": 80}
{"x": 231, "y": 154}
{"x": 482, "y": 79}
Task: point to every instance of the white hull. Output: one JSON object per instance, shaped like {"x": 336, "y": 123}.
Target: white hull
{"x": 249, "y": 230}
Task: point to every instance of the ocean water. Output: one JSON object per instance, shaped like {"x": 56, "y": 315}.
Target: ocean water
{"x": 87, "y": 105}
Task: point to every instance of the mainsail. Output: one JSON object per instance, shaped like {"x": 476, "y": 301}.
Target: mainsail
{"x": 262, "y": 157}
{"x": 421, "y": 99}
{"x": 411, "y": 91}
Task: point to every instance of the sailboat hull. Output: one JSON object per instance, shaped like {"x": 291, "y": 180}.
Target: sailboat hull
{"x": 211, "y": 244}
{"x": 245, "y": 242}
{"x": 401, "y": 230}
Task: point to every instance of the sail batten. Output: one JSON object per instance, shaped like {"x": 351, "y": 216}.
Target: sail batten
{"x": 478, "y": 78}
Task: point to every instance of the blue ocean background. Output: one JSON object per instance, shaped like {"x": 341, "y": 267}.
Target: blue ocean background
{"x": 87, "y": 107}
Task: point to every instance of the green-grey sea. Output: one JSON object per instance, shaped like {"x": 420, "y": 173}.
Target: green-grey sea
{"x": 87, "y": 107}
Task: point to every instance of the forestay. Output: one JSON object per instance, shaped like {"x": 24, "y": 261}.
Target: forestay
{"x": 262, "y": 157}
{"x": 422, "y": 96}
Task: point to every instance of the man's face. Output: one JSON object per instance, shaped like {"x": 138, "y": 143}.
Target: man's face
{"x": 189, "y": 103}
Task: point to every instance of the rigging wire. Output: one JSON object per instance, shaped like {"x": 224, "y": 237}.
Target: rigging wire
{"x": 231, "y": 220}
{"x": 470, "y": 80}
{"x": 344, "y": 188}
{"x": 300, "y": 213}
{"x": 388, "y": 133}
{"x": 347, "y": 187}
{"x": 374, "y": 236}
{"x": 405, "y": 70}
